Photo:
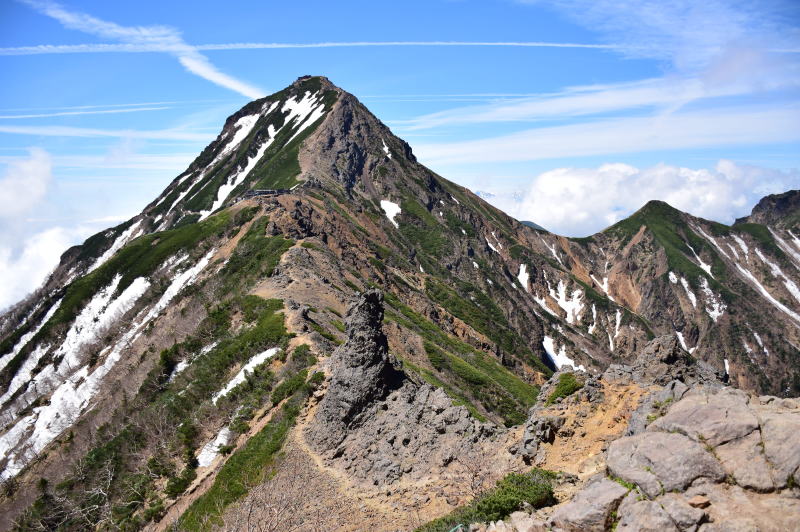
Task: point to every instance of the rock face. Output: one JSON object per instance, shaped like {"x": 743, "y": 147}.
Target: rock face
{"x": 663, "y": 361}
{"x": 776, "y": 209}
{"x": 375, "y": 422}
{"x": 363, "y": 372}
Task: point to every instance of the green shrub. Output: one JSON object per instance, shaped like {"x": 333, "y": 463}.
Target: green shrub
{"x": 567, "y": 385}
{"x": 288, "y": 386}
{"x": 315, "y": 380}
{"x": 510, "y": 494}
{"x": 177, "y": 485}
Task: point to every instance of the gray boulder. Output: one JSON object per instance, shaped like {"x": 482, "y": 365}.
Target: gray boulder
{"x": 685, "y": 517}
{"x": 591, "y": 509}
{"x": 660, "y": 462}
{"x": 539, "y": 429}
{"x": 646, "y": 516}
{"x": 780, "y": 432}
{"x": 711, "y": 417}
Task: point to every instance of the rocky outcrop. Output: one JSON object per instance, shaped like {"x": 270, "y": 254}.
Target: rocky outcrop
{"x": 363, "y": 373}
{"x": 375, "y": 422}
{"x": 661, "y": 362}
{"x": 718, "y": 459}
{"x": 779, "y": 210}
{"x": 697, "y": 455}
{"x": 542, "y": 426}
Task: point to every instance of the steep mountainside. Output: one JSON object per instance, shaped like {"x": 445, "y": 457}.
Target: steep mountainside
{"x": 207, "y": 325}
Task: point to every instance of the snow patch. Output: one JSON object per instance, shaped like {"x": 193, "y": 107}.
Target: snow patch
{"x": 499, "y": 244}
{"x": 23, "y": 341}
{"x": 710, "y": 239}
{"x": 742, "y": 245}
{"x": 552, "y": 250}
{"x": 681, "y": 340}
{"x": 211, "y": 449}
{"x": 73, "y": 389}
{"x": 391, "y": 209}
{"x": 572, "y": 305}
{"x": 787, "y": 248}
{"x": 760, "y": 342}
{"x": 305, "y": 112}
{"x": 689, "y": 292}
{"x": 706, "y": 267}
{"x": 593, "y": 326}
{"x": 240, "y": 377}
{"x": 673, "y": 278}
{"x": 559, "y": 358}
{"x": 543, "y": 303}
{"x": 491, "y": 246}
{"x": 780, "y": 306}
{"x": 238, "y": 178}
{"x": 126, "y": 236}
{"x": 714, "y": 306}
{"x": 243, "y": 127}
{"x": 386, "y": 149}
{"x": 475, "y": 265}
{"x": 778, "y": 273}
{"x": 523, "y": 276}
{"x": 727, "y": 367}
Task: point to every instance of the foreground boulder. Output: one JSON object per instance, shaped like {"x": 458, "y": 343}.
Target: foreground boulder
{"x": 718, "y": 459}
{"x": 696, "y": 455}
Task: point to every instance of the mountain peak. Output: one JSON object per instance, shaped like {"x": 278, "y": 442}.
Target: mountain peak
{"x": 776, "y": 209}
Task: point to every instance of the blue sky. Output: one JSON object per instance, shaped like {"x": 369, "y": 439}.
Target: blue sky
{"x": 572, "y": 113}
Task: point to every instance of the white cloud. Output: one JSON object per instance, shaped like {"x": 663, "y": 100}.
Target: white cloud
{"x": 715, "y": 127}
{"x": 25, "y": 271}
{"x": 582, "y": 201}
{"x": 25, "y": 183}
{"x": 160, "y": 38}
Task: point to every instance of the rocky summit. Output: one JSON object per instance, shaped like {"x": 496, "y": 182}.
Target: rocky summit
{"x": 310, "y": 330}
